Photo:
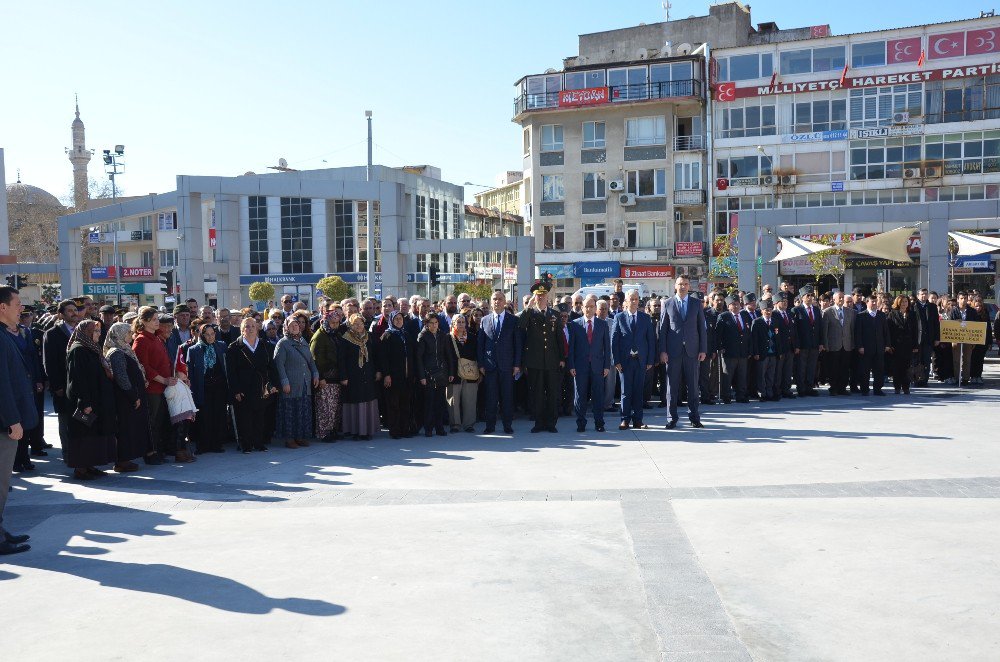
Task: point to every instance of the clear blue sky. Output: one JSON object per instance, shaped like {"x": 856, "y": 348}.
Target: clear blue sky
{"x": 222, "y": 87}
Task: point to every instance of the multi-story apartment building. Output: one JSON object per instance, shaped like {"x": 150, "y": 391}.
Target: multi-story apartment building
{"x": 487, "y": 266}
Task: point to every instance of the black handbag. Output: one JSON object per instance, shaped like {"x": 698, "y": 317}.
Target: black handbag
{"x": 81, "y": 417}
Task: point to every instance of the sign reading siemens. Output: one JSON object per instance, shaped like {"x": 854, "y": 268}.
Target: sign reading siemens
{"x": 98, "y": 289}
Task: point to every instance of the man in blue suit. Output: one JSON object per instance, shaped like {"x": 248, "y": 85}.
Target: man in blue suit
{"x": 17, "y": 406}
{"x": 632, "y": 347}
{"x": 683, "y": 346}
{"x": 498, "y": 352}
{"x": 589, "y": 363}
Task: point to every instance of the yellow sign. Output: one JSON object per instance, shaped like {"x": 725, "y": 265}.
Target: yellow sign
{"x": 957, "y": 331}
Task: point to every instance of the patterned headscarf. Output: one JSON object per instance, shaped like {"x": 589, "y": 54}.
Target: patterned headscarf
{"x": 296, "y": 320}
{"x": 115, "y": 342}
{"x": 83, "y": 336}
{"x": 454, "y": 328}
{"x": 208, "y": 349}
{"x": 360, "y": 340}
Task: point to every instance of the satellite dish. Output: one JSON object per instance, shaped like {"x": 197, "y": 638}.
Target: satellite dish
{"x": 249, "y": 173}
{"x": 550, "y": 70}
{"x": 641, "y": 54}
{"x": 683, "y": 49}
{"x": 282, "y": 163}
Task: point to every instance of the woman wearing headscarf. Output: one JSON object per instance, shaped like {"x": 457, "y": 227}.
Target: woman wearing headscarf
{"x": 902, "y": 340}
{"x": 132, "y": 408}
{"x": 462, "y": 393}
{"x": 298, "y": 375}
{"x": 358, "y": 372}
{"x": 396, "y": 358}
{"x": 325, "y": 346}
{"x": 206, "y": 367}
{"x": 91, "y": 393}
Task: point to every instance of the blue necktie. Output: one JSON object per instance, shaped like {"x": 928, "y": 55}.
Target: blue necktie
{"x": 684, "y": 309}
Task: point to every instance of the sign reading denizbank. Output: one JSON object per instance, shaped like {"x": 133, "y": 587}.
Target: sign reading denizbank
{"x": 731, "y": 93}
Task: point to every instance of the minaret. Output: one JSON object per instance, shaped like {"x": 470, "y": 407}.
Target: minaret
{"x": 79, "y": 156}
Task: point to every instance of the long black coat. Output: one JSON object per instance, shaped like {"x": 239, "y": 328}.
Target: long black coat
{"x": 360, "y": 379}
{"x": 731, "y": 341}
{"x": 133, "y": 424}
{"x": 902, "y": 332}
{"x": 396, "y": 357}
{"x": 871, "y": 333}
{"x": 249, "y": 372}
{"x": 54, "y": 345}
{"x": 434, "y": 356}
{"x": 88, "y": 385}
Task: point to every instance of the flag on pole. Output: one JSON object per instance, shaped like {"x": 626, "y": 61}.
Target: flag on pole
{"x": 843, "y": 75}
{"x": 774, "y": 78}
{"x": 923, "y": 56}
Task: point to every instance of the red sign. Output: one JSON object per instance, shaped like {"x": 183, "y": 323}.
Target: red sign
{"x": 982, "y": 41}
{"x": 818, "y": 31}
{"x": 722, "y": 183}
{"x": 725, "y": 92}
{"x": 648, "y": 271}
{"x": 689, "y": 248}
{"x": 851, "y": 82}
{"x": 898, "y": 51}
{"x": 591, "y": 96}
{"x": 945, "y": 45}
{"x": 137, "y": 272}
{"x": 211, "y": 237}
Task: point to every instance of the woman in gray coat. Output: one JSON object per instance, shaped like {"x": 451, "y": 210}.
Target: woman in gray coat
{"x": 299, "y": 375}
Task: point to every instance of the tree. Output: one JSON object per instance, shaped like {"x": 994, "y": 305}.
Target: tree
{"x": 830, "y": 262}
{"x": 724, "y": 265}
{"x": 334, "y": 288}
{"x": 480, "y": 291}
{"x": 261, "y": 292}
{"x": 51, "y": 292}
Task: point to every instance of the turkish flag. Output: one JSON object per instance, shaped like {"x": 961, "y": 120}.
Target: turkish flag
{"x": 982, "y": 41}
{"x": 948, "y": 44}
{"x": 902, "y": 50}
{"x": 725, "y": 92}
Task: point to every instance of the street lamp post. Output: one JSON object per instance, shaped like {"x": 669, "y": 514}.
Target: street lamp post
{"x": 369, "y": 233}
{"x": 503, "y": 253}
{"x": 114, "y": 165}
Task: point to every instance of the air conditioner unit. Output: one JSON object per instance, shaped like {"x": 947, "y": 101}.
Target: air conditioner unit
{"x": 627, "y": 199}
{"x": 911, "y": 173}
{"x": 788, "y": 180}
{"x": 616, "y": 185}
{"x": 770, "y": 180}
{"x": 932, "y": 171}
{"x": 678, "y": 216}
{"x": 618, "y": 242}
{"x": 901, "y": 117}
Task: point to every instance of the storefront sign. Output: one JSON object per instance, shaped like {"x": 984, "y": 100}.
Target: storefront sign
{"x": 875, "y": 263}
{"x": 590, "y": 96}
{"x": 103, "y": 289}
{"x": 556, "y": 270}
{"x": 443, "y": 277}
{"x": 801, "y": 266}
{"x": 853, "y": 82}
{"x": 650, "y": 271}
{"x": 815, "y": 136}
{"x": 102, "y": 273}
{"x": 137, "y": 272}
{"x": 689, "y": 248}
{"x": 592, "y": 273}
{"x": 357, "y": 277}
{"x": 957, "y": 331}
{"x": 211, "y": 238}
{"x": 744, "y": 181}
{"x": 975, "y": 264}
{"x": 837, "y": 187}
{"x": 888, "y": 131}
{"x": 282, "y": 279}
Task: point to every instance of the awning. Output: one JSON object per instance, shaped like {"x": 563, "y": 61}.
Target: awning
{"x": 973, "y": 244}
{"x": 794, "y": 247}
{"x": 889, "y": 245}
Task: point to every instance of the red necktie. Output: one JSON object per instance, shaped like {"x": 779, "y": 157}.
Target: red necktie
{"x": 739, "y": 320}
{"x": 590, "y": 332}
{"x": 810, "y": 314}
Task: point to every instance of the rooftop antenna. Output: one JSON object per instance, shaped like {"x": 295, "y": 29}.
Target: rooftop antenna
{"x": 666, "y": 9}
{"x": 987, "y": 14}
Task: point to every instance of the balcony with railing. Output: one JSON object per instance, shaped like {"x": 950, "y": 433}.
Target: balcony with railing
{"x": 689, "y": 143}
{"x": 674, "y": 89}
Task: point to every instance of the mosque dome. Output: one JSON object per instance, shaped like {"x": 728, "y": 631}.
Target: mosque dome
{"x": 26, "y": 194}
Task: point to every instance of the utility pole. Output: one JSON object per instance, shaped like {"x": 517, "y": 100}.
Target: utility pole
{"x": 371, "y": 216}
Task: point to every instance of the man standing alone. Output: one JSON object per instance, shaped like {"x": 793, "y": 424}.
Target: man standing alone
{"x": 541, "y": 328}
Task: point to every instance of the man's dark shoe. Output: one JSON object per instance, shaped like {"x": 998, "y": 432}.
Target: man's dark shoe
{"x": 671, "y": 425}
{"x": 581, "y": 428}
{"x": 16, "y": 540}
{"x": 599, "y": 428}
{"x": 551, "y": 429}
{"x": 697, "y": 424}
{"x": 489, "y": 430}
{"x": 11, "y": 548}
{"x": 155, "y": 458}
{"x": 508, "y": 430}
{"x": 39, "y": 453}
{"x": 537, "y": 428}
{"x": 623, "y": 425}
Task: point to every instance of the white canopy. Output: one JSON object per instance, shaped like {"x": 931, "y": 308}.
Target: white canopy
{"x": 889, "y": 245}
{"x": 971, "y": 244}
{"x": 794, "y": 247}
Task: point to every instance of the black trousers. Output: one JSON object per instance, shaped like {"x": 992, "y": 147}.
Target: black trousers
{"x": 435, "y": 405}
{"x": 397, "y": 410}
{"x": 250, "y": 421}
{"x": 36, "y": 437}
{"x": 545, "y": 389}
{"x": 872, "y": 366}
{"x": 838, "y": 367}
{"x": 161, "y": 432}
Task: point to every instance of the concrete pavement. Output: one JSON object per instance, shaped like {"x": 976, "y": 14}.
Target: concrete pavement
{"x": 825, "y": 528}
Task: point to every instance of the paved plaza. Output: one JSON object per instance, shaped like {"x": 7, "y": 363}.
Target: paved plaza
{"x": 845, "y": 528}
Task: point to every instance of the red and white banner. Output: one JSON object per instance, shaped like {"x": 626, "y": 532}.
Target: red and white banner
{"x": 650, "y": 271}
{"x": 211, "y": 237}
{"x": 818, "y": 31}
{"x": 945, "y": 45}
{"x": 725, "y": 92}
{"x": 689, "y": 248}
{"x": 899, "y": 51}
{"x": 982, "y": 41}
{"x": 137, "y": 272}
{"x": 590, "y": 96}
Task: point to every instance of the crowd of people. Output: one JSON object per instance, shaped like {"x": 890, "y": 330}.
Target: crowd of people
{"x": 352, "y": 368}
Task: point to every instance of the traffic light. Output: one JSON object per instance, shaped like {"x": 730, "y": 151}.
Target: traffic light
{"x": 17, "y": 281}
{"x": 434, "y": 274}
{"x": 167, "y": 281}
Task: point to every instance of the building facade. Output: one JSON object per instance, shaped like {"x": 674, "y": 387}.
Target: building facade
{"x": 488, "y": 266}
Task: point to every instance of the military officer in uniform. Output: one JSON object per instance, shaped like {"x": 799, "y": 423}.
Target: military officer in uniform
{"x": 543, "y": 359}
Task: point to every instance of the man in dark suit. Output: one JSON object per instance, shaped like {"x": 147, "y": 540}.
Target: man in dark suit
{"x": 765, "y": 343}
{"x": 708, "y": 379}
{"x": 541, "y": 328}
{"x": 632, "y": 347}
{"x": 837, "y": 342}
{"x": 928, "y": 332}
{"x": 749, "y": 314}
{"x": 789, "y": 344}
{"x": 871, "y": 337}
{"x": 961, "y": 353}
{"x": 683, "y": 346}
{"x": 54, "y": 345}
{"x": 589, "y": 364}
{"x": 17, "y": 406}
{"x": 733, "y": 341}
{"x": 807, "y": 319}
{"x": 498, "y": 352}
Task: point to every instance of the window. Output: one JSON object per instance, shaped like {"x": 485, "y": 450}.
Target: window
{"x": 687, "y": 176}
{"x": 456, "y": 220}
{"x": 147, "y": 259}
{"x": 963, "y": 100}
{"x": 553, "y": 237}
{"x": 146, "y": 227}
{"x": 973, "y": 152}
{"x": 166, "y": 221}
{"x": 825, "y": 115}
{"x": 671, "y": 80}
{"x": 868, "y": 54}
{"x": 887, "y": 196}
{"x": 526, "y": 139}
{"x": 646, "y": 182}
{"x": 628, "y": 83}
{"x": 296, "y": 235}
{"x": 581, "y": 80}
{"x": 257, "y": 207}
{"x": 593, "y": 186}
{"x": 552, "y": 138}
{"x": 344, "y": 245}
{"x": 796, "y": 62}
{"x": 831, "y": 58}
{"x": 543, "y": 91}
{"x": 746, "y": 67}
{"x": 883, "y": 158}
{"x": 420, "y": 216}
{"x": 645, "y": 131}
{"x": 168, "y": 259}
{"x": 800, "y": 200}
{"x": 874, "y": 106}
{"x": 646, "y": 234}
{"x": 727, "y": 211}
{"x": 595, "y": 236}
{"x": 692, "y": 229}
{"x": 593, "y": 135}
{"x": 823, "y": 165}
{"x": 808, "y": 60}
{"x": 552, "y": 188}
{"x": 754, "y": 165}
{"x": 434, "y": 217}
{"x": 746, "y": 119}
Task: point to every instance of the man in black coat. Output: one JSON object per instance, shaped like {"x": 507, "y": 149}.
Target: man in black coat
{"x": 871, "y": 338}
{"x": 748, "y": 315}
{"x": 732, "y": 337}
{"x": 765, "y": 345}
{"x": 17, "y": 407}
{"x": 789, "y": 343}
{"x": 708, "y": 377}
{"x": 928, "y": 332}
{"x": 808, "y": 319}
{"x": 54, "y": 345}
